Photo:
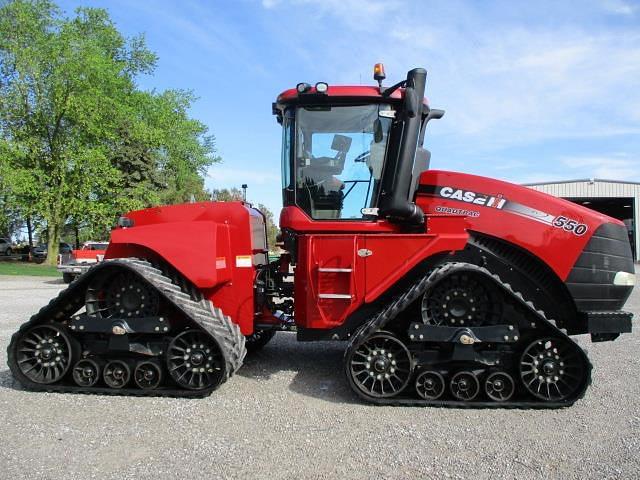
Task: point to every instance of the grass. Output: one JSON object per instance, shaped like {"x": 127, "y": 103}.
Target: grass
{"x": 28, "y": 269}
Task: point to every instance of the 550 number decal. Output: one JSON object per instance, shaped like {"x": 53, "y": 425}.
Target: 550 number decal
{"x": 570, "y": 225}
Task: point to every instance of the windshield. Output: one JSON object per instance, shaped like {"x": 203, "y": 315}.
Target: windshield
{"x": 339, "y": 159}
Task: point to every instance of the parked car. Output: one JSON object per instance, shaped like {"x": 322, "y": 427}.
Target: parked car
{"x": 5, "y": 247}
{"x": 79, "y": 261}
{"x": 39, "y": 253}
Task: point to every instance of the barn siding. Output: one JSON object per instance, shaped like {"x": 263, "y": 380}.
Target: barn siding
{"x": 597, "y": 188}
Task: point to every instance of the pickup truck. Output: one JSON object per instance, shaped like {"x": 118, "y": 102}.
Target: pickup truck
{"x": 79, "y": 261}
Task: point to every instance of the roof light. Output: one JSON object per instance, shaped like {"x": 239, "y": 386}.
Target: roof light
{"x": 322, "y": 87}
{"x": 303, "y": 87}
{"x": 378, "y": 73}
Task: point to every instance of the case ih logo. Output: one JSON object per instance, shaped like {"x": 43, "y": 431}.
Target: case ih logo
{"x": 472, "y": 197}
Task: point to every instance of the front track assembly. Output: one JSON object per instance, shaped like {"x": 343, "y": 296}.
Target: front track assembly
{"x": 140, "y": 332}
{"x": 464, "y": 349}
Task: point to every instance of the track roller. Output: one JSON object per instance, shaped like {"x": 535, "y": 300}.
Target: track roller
{"x": 147, "y": 375}
{"x": 258, "y": 339}
{"x": 430, "y": 385}
{"x": 465, "y": 386}
{"x": 116, "y": 374}
{"x": 499, "y": 386}
{"x": 86, "y": 372}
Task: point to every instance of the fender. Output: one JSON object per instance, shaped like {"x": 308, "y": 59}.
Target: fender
{"x": 190, "y": 247}
{"x": 209, "y": 243}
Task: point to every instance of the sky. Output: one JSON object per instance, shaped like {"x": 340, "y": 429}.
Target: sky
{"x": 533, "y": 91}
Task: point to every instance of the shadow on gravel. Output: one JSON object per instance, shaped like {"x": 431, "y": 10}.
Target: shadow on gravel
{"x": 7, "y": 381}
{"x": 317, "y": 366}
{"x": 57, "y": 281}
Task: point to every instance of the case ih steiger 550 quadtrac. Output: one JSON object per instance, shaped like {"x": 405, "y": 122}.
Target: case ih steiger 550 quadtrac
{"x": 448, "y": 288}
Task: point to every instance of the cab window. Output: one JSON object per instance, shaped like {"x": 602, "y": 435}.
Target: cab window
{"x": 339, "y": 159}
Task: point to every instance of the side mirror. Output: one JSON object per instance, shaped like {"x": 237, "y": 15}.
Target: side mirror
{"x": 435, "y": 114}
{"x": 411, "y": 104}
{"x": 377, "y": 131}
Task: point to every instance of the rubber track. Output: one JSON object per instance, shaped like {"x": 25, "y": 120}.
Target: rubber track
{"x": 416, "y": 291}
{"x": 202, "y": 313}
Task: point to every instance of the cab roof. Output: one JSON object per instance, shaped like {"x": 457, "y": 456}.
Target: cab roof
{"x": 344, "y": 93}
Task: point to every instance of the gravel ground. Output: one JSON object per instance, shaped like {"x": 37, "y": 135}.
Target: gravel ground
{"x": 289, "y": 413}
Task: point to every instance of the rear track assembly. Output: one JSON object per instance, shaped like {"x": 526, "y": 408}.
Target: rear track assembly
{"x": 509, "y": 356}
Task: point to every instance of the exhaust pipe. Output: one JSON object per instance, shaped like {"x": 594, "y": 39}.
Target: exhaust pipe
{"x": 395, "y": 204}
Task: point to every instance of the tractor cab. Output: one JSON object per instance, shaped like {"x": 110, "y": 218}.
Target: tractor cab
{"x": 354, "y": 153}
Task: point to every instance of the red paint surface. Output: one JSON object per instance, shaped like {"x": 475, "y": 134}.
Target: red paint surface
{"x": 556, "y": 247}
{"x": 326, "y": 245}
{"x": 363, "y": 91}
{"x": 87, "y": 254}
{"x": 200, "y": 240}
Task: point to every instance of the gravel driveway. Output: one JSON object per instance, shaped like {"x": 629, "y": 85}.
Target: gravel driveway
{"x": 290, "y": 414}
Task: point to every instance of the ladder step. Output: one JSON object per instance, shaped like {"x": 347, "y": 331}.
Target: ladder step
{"x": 335, "y": 295}
{"x": 337, "y": 270}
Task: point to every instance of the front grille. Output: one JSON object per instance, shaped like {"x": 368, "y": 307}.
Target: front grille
{"x": 591, "y": 278}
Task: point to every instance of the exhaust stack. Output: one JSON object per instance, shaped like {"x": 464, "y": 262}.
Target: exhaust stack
{"x": 395, "y": 203}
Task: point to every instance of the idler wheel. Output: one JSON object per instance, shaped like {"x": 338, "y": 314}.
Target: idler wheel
{"x": 381, "y": 366}
{"x": 43, "y": 354}
{"x": 551, "y": 369}
{"x": 195, "y": 361}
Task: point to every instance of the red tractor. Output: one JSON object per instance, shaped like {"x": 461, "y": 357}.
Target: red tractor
{"x": 448, "y": 288}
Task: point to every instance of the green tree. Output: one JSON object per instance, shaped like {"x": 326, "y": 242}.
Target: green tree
{"x": 272, "y": 226}
{"x": 84, "y": 143}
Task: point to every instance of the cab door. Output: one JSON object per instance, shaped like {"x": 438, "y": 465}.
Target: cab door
{"x": 329, "y": 279}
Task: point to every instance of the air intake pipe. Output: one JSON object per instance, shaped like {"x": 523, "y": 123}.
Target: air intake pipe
{"x": 395, "y": 203}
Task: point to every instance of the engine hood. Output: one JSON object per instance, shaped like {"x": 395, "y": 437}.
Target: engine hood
{"x": 553, "y": 229}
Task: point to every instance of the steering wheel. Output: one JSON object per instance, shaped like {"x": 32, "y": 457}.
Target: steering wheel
{"x": 362, "y": 157}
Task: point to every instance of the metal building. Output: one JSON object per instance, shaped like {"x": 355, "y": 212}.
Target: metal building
{"x": 612, "y": 197}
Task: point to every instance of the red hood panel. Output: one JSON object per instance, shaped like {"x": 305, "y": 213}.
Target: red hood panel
{"x": 553, "y": 229}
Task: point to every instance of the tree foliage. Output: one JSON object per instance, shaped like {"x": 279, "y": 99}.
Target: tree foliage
{"x": 227, "y": 195}
{"x": 81, "y": 142}
{"x": 272, "y": 226}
